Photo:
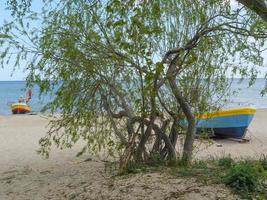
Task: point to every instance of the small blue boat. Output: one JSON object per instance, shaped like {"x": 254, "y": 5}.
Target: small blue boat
{"x": 231, "y": 123}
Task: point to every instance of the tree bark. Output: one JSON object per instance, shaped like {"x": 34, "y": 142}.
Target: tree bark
{"x": 156, "y": 145}
{"x": 190, "y": 135}
{"x": 143, "y": 140}
{"x": 174, "y": 132}
{"x": 161, "y": 134}
{"x": 167, "y": 141}
{"x": 109, "y": 112}
{"x": 128, "y": 152}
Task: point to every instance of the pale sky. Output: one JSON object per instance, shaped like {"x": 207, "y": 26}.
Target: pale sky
{"x": 8, "y": 74}
{"x": 5, "y": 74}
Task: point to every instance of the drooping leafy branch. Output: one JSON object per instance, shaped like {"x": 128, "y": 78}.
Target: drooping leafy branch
{"x": 127, "y": 74}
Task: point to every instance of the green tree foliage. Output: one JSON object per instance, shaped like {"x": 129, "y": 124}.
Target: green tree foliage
{"x": 127, "y": 72}
{"x": 19, "y": 8}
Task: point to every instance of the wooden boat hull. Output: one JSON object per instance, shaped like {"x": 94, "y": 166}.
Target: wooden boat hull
{"x": 231, "y": 123}
{"x": 20, "y": 108}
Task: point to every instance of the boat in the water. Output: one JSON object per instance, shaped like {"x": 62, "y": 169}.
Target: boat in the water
{"x": 230, "y": 123}
{"x": 20, "y": 108}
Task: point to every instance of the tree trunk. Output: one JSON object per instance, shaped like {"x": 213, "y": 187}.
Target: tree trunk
{"x": 128, "y": 152}
{"x": 143, "y": 140}
{"x": 167, "y": 141}
{"x": 156, "y": 145}
{"x": 161, "y": 134}
{"x": 190, "y": 135}
{"x": 174, "y": 132}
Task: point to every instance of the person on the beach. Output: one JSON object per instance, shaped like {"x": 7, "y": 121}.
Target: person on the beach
{"x": 27, "y": 98}
{"x": 28, "y": 95}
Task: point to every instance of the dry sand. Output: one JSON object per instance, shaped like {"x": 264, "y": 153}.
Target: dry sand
{"x": 25, "y": 175}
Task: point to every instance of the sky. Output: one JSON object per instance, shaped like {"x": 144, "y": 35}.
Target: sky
{"x": 5, "y": 74}
{"x": 9, "y": 74}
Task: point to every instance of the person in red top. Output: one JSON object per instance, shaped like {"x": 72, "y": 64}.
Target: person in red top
{"x": 28, "y": 95}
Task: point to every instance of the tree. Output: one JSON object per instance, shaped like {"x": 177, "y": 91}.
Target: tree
{"x": 258, "y": 6}
{"x": 129, "y": 76}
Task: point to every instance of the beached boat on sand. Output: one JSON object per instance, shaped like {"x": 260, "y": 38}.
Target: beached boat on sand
{"x": 230, "y": 123}
{"x": 20, "y": 108}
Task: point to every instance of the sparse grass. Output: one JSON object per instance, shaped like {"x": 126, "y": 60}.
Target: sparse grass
{"x": 155, "y": 161}
{"x": 247, "y": 178}
{"x": 225, "y": 162}
{"x": 153, "y": 164}
{"x": 263, "y": 162}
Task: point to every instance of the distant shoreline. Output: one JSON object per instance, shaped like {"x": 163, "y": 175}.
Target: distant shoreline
{"x": 47, "y": 113}
{"x": 11, "y": 90}
{"x": 25, "y": 80}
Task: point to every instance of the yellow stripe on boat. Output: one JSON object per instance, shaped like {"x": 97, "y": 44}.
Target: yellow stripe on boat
{"x": 222, "y": 113}
{"x": 20, "y": 106}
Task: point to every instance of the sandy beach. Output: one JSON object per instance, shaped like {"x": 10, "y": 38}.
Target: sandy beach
{"x": 26, "y": 175}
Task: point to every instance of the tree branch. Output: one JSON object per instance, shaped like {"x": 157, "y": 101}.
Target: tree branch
{"x": 258, "y": 6}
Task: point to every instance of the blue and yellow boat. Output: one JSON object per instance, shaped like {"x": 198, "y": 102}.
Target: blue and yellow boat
{"x": 231, "y": 123}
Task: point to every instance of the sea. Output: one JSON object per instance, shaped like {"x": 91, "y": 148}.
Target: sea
{"x": 10, "y": 91}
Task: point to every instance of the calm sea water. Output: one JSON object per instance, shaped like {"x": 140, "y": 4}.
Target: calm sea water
{"x": 248, "y": 96}
{"x": 10, "y": 91}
